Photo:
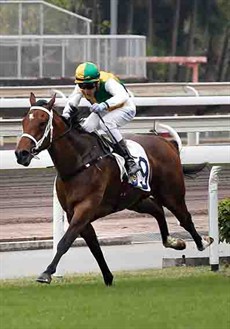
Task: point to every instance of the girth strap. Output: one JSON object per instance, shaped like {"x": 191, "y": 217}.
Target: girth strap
{"x": 85, "y": 166}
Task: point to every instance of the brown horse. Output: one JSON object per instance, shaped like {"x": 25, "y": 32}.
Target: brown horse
{"x": 89, "y": 186}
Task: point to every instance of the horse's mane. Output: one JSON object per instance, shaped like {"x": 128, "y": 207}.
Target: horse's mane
{"x": 74, "y": 121}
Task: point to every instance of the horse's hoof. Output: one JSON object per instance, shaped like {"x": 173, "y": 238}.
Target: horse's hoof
{"x": 206, "y": 242}
{"x": 181, "y": 245}
{"x": 177, "y": 244}
{"x": 44, "y": 278}
{"x": 108, "y": 280}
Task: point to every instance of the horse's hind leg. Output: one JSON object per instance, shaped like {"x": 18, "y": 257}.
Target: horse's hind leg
{"x": 152, "y": 207}
{"x": 179, "y": 209}
{"x": 89, "y": 235}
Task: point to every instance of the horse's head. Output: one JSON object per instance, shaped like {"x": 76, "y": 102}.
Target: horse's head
{"x": 37, "y": 130}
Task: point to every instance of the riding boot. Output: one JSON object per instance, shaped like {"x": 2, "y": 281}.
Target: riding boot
{"x": 130, "y": 165}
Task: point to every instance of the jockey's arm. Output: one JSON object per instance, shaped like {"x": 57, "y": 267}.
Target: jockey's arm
{"x": 120, "y": 95}
{"x": 73, "y": 99}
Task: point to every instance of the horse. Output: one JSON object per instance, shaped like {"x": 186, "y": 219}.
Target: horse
{"x": 89, "y": 185}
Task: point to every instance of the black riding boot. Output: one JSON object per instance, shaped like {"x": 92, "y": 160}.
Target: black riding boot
{"x": 130, "y": 165}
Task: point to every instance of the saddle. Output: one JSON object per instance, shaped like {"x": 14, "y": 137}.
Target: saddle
{"x": 105, "y": 142}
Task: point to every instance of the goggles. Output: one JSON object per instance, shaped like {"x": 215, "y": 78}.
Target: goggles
{"x": 87, "y": 85}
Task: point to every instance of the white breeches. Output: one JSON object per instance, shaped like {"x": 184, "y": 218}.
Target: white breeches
{"x": 113, "y": 120}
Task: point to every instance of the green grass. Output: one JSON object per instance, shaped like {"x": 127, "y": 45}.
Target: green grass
{"x": 178, "y": 298}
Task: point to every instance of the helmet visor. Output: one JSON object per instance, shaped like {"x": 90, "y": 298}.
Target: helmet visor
{"x": 89, "y": 85}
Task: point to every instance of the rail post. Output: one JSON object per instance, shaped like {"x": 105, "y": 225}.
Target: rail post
{"x": 58, "y": 227}
{"x": 213, "y": 218}
{"x": 193, "y": 138}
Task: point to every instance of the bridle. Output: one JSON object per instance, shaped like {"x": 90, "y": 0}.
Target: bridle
{"x": 48, "y": 130}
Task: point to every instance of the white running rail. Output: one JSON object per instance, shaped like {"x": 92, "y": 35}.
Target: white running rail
{"x": 182, "y": 124}
{"x": 139, "y": 101}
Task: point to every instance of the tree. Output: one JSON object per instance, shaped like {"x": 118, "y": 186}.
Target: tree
{"x": 216, "y": 32}
{"x": 172, "y": 27}
{"x": 176, "y": 19}
{"x": 192, "y": 29}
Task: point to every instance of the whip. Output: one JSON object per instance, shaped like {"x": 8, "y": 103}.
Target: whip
{"x": 108, "y": 130}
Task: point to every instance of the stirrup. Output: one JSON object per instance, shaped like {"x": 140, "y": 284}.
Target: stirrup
{"x": 133, "y": 179}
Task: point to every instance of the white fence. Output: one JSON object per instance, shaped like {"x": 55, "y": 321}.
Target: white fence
{"x": 214, "y": 155}
{"x": 169, "y": 89}
{"x": 39, "y": 39}
{"x": 213, "y": 217}
{"x": 56, "y": 56}
{"x": 139, "y": 101}
{"x": 191, "y": 125}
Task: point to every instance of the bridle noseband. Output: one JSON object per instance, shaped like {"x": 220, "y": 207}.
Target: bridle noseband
{"x": 48, "y": 130}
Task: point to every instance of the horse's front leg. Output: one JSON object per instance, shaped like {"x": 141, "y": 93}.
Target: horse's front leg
{"x": 78, "y": 222}
{"x": 89, "y": 235}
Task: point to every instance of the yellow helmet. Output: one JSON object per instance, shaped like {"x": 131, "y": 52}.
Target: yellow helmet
{"x": 87, "y": 73}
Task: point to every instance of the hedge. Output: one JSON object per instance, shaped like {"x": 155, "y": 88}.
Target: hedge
{"x": 224, "y": 220}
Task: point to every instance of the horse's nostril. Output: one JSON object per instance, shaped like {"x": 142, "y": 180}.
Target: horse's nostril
{"x": 24, "y": 153}
{"x": 21, "y": 154}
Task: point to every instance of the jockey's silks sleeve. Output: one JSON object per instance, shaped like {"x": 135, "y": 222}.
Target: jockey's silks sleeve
{"x": 74, "y": 98}
{"x": 118, "y": 92}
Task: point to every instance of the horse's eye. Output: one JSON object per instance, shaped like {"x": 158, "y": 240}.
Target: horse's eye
{"x": 42, "y": 124}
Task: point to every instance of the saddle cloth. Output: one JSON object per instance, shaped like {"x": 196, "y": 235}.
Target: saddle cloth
{"x": 140, "y": 157}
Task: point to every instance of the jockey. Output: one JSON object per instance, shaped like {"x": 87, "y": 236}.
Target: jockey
{"x": 110, "y": 99}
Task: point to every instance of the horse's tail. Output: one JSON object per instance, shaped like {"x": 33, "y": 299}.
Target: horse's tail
{"x": 177, "y": 144}
{"x": 190, "y": 169}
{"x": 194, "y": 168}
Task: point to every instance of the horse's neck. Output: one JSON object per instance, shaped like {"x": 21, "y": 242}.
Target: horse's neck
{"x": 69, "y": 151}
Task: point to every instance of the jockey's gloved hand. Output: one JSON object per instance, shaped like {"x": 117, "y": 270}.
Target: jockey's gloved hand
{"x": 69, "y": 112}
{"x": 66, "y": 116}
{"x": 68, "y": 109}
{"x": 96, "y": 108}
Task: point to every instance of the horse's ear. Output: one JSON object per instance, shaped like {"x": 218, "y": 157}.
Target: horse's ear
{"x": 32, "y": 99}
{"x": 51, "y": 102}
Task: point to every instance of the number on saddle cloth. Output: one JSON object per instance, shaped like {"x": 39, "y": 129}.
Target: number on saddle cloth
{"x": 140, "y": 157}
